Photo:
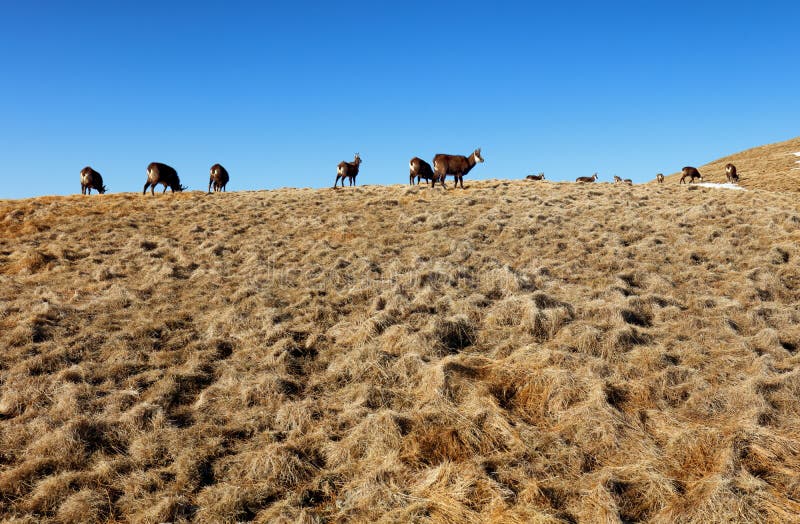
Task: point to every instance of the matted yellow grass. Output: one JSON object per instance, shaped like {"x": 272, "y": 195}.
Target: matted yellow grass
{"x": 514, "y": 352}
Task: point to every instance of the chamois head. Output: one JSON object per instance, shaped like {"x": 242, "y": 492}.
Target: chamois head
{"x": 477, "y": 155}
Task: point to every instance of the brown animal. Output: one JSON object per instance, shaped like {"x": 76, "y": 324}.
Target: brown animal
{"x": 158, "y": 173}
{"x": 691, "y": 173}
{"x": 420, "y": 169}
{"x": 219, "y": 177}
{"x": 347, "y": 170}
{"x": 586, "y": 179}
{"x": 731, "y": 174}
{"x": 628, "y": 181}
{"x": 91, "y": 179}
{"x": 660, "y": 178}
{"x": 540, "y": 176}
{"x": 455, "y": 165}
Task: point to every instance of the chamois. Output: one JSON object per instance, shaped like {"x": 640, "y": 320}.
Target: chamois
{"x": 219, "y": 177}
{"x": 420, "y": 169}
{"x": 618, "y": 180}
{"x": 540, "y": 176}
{"x": 91, "y": 179}
{"x": 660, "y": 178}
{"x": 347, "y": 170}
{"x": 731, "y": 174}
{"x": 586, "y": 179}
{"x": 691, "y": 173}
{"x": 455, "y": 165}
{"x": 158, "y": 173}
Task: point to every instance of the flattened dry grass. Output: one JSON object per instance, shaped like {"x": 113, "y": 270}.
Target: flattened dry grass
{"x": 514, "y": 352}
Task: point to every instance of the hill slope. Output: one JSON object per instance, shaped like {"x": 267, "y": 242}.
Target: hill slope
{"x": 772, "y": 167}
{"x": 515, "y": 352}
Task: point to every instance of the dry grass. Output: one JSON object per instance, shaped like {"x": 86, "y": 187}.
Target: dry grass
{"x": 515, "y": 352}
{"x": 772, "y": 167}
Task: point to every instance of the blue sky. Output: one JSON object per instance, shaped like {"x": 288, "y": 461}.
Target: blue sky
{"x": 279, "y": 93}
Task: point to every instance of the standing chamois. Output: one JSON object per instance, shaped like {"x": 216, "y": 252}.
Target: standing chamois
{"x": 455, "y": 165}
{"x": 586, "y": 179}
{"x": 731, "y": 174}
{"x": 348, "y": 170}
{"x": 158, "y": 173}
{"x": 219, "y": 177}
{"x": 660, "y": 178}
{"x": 540, "y": 176}
{"x": 91, "y": 179}
{"x": 691, "y": 173}
{"x": 420, "y": 169}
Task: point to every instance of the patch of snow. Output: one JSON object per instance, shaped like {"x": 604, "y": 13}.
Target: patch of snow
{"x": 721, "y": 186}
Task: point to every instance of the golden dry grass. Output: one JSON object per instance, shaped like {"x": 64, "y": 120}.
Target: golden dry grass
{"x": 772, "y": 167}
{"x": 514, "y": 352}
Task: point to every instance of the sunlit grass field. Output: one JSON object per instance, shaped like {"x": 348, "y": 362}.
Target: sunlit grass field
{"x": 513, "y": 352}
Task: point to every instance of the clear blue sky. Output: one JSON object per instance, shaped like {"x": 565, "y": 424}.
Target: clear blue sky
{"x": 279, "y": 93}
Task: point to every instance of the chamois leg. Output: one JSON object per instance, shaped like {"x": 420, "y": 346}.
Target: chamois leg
{"x": 209, "y": 186}
{"x": 146, "y": 185}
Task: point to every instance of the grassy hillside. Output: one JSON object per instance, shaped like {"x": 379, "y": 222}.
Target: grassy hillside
{"x": 514, "y": 352}
{"x": 772, "y": 167}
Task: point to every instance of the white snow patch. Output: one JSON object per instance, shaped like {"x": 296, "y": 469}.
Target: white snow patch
{"x": 721, "y": 186}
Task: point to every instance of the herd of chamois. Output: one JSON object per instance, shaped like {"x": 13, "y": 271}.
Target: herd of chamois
{"x": 443, "y": 165}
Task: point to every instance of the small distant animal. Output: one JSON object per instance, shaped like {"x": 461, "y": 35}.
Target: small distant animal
{"x": 586, "y": 179}
{"x": 660, "y": 178}
{"x": 691, "y": 173}
{"x": 731, "y": 174}
{"x": 540, "y": 176}
{"x": 456, "y": 165}
{"x": 158, "y": 173}
{"x": 218, "y": 177}
{"x": 628, "y": 181}
{"x": 420, "y": 169}
{"x": 618, "y": 180}
{"x": 348, "y": 170}
{"x": 91, "y": 179}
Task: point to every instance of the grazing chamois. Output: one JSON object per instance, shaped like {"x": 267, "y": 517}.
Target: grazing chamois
{"x": 219, "y": 177}
{"x": 618, "y": 180}
{"x": 91, "y": 179}
{"x": 691, "y": 173}
{"x": 420, "y": 169}
{"x": 540, "y": 176}
{"x": 731, "y": 174}
{"x": 455, "y": 165}
{"x": 348, "y": 170}
{"x": 158, "y": 173}
{"x": 586, "y": 179}
{"x": 660, "y": 178}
